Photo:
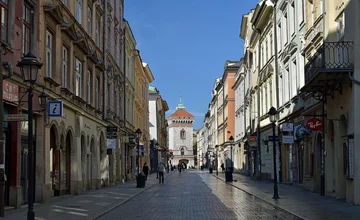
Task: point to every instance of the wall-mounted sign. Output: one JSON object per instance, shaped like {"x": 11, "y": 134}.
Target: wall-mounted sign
{"x": 287, "y": 127}
{"x": 55, "y": 109}
{"x": 287, "y": 139}
{"x": 314, "y": 124}
{"x": 300, "y": 131}
{"x": 10, "y": 91}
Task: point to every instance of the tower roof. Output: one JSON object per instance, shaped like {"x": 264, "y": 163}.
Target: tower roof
{"x": 180, "y": 105}
{"x": 181, "y": 111}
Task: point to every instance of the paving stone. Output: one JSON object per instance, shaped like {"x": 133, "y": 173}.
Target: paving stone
{"x": 195, "y": 195}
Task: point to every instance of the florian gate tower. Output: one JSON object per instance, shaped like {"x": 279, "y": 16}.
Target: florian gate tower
{"x": 181, "y": 136}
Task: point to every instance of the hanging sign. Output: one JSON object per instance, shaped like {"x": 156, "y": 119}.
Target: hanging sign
{"x": 314, "y": 124}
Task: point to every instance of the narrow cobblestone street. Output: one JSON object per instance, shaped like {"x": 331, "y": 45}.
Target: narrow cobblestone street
{"x": 196, "y": 195}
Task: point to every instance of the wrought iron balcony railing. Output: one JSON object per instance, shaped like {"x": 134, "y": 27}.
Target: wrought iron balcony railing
{"x": 330, "y": 57}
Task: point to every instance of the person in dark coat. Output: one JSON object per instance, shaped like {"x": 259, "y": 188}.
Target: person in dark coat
{"x": 146, "y": 170}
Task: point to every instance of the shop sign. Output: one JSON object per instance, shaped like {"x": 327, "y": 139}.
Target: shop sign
{"x": 10, "y": 91}
{"x": 314, "y": 124}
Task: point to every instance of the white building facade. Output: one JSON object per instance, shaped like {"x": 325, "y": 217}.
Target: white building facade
{"x": 240, "y": 163}
{"x": 181, "y": 136}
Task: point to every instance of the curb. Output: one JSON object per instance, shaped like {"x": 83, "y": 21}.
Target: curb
{"x": 101, "y": 213}
{"x": 275, "y": 206}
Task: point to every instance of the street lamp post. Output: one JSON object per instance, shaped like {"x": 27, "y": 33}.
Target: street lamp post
{"x": 30, "y": 66}
{"x": 273, "y": 115}
{"x": 231, "y": 138}
{"x": 138, "y": 133}
{"x": 217, "y": 159}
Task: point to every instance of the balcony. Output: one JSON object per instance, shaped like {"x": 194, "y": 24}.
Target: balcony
{"x": 329, "y": 67}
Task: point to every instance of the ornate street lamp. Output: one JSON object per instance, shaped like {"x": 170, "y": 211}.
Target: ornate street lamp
{"x": 29, "y": 67}
{"x": 273, "y": 116}
{"x": 217, "y": 159}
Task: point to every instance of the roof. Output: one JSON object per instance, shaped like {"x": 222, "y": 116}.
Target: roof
{"x": 181, "y": 113}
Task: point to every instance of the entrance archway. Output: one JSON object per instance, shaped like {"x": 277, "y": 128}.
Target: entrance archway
{"x": 331, "y": 158}
{"x": 83, "y": 162}
{"x": 55, "y": 161}
{"x": 184, "y": 162}
{"x": 318, "y": 162}
{"x": 68, "y": 149}
{"x": 92, "y": 163}
{"x": 103, "y": 161}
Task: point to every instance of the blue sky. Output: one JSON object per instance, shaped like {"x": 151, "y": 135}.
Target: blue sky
{"x": 186, "y": 44}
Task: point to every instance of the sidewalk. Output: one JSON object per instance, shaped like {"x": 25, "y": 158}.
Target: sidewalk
{"x": 86, "y": 206}
{"x": 296, "y": 200}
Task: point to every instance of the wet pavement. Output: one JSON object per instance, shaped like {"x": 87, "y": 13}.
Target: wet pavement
{"x": 196, "y": 195}
{"x": 296, "y": 200}
{"x": 86, "y": 206}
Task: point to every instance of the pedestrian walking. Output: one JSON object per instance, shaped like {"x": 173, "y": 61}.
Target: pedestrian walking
{"x": 161, "y": 171}
{"x": 222, "y": 167}
{"x": 179, "y": 168}
{"x": 146, "y": 170}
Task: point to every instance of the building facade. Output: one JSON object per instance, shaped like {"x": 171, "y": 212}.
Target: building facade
{"x": 157, "y": 128}
{"x": 181, "y": 136}
{"x": 240, "y": 159}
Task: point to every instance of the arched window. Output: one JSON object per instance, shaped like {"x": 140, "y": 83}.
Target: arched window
{"x": 182, "y": 134}
{"x": 182, "y": 151}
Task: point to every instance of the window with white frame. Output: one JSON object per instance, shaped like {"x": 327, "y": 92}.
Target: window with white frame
{"x": 292, "y": 19}
{"x": 49, "y": 42}
{"x": 301, "y": 11}
{"x": 340, "y": 26}
{"x": 262, "y": 98}
{"x": 97, "y": 32}
{"x": 89, "y": 20}
{"x": 255, "y": 64}
{"x": 270, "y": 94}
{"x": 285, "y": 29}
{"x": 271, "y": 45}
{"x": 89, "y": 86}
{"x": 97, "y": 91}
{"x": 262, "y": 56}
{"x": 294, "y": 76}
{"x": 65, "y": 67}
{"x": 78, "y": 78}
{"x": 287, "y": 86}
{"x": 266, "y": 51}
{"x": 279, "y": 39}
{"x": 78, "y": 10}
{"x": 266, "y": 99}
{"x": 281, "y": 90}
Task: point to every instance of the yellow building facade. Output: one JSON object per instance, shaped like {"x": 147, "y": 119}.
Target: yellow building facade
{"x": 143, "y": 77}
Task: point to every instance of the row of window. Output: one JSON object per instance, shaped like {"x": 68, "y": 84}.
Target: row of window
{"x": 78, "y": 72}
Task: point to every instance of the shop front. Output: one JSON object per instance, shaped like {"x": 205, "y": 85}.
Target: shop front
{"x": 10, "y": 106}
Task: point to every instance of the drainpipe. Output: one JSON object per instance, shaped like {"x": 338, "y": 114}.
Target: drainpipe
{"x": 104, "y": 58}
{"x": 125, "y": 122}
{"x": 258, "y": 132}
{"x": 277, "y": 85}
